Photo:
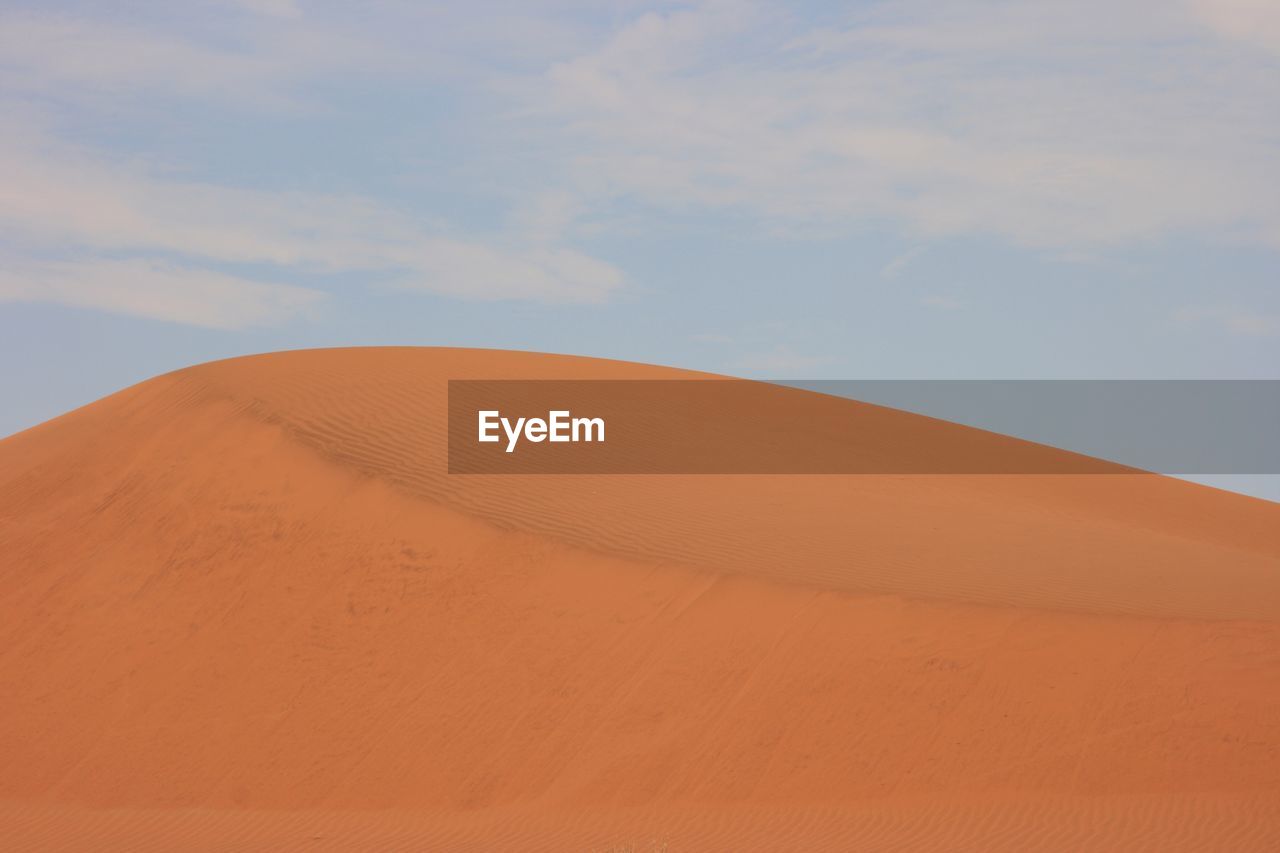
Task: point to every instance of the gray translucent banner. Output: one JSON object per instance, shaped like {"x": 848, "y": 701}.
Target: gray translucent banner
{"x": 1178, "y": 427}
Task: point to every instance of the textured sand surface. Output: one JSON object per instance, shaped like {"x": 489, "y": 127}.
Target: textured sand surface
{"x": 243, "y": 607}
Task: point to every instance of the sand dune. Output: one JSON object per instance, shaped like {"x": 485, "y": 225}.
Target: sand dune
{"x": 244, "y": 606}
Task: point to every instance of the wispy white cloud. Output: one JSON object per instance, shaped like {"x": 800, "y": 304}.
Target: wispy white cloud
{"x": 157, "y": 290}
{"x": 1029, "y": 122}
{"x": 57, "y": 197}
{"x": 81, "y": 59}
{"x": 895, "y": 267}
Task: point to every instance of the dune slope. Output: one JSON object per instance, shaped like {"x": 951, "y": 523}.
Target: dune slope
{"x": 246, "y": 601}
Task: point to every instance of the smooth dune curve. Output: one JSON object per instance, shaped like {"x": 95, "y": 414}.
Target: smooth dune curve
{"x": 244, "y": 600}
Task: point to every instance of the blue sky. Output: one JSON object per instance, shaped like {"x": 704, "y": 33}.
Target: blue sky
{"x": 884, "y": 190}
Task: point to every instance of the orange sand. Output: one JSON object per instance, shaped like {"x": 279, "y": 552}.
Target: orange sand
{"x": 244, "y": 607}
